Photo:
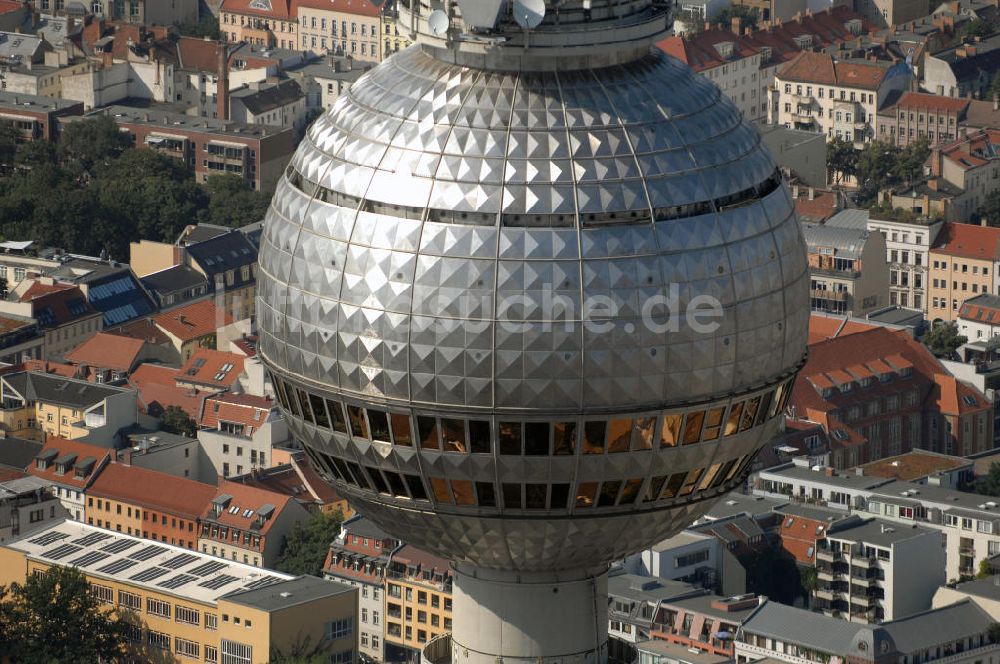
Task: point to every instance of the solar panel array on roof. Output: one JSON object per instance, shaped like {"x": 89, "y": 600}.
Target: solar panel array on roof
{"x": 48, "y": 538}
{"x": 217, "y": 582}
{"x": 89, "y": 558}
{"x": 147, "y": 552}
{"x": 207, "y": 568}
{"x": 179, "y": 561}
{"x": 260, "y": 583}
{"x": 62, "y": 551}
{"x": 118, "y": 566}
{"x": 177, "y": 581}
{"x": 118, "y": 546}
{"x": 92, "y": 538}
{"x": 149, "y": 574}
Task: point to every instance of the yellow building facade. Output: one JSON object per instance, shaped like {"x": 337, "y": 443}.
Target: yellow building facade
{"x": 417, "y": 600}
{"x": 223, "y": 612}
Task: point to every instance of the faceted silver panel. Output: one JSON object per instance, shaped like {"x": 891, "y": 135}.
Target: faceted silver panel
{"x": 435, "y": 249}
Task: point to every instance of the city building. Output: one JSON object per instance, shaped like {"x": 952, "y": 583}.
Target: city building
{"x": 393, "y": 41}
{"x": 37, "y": 405}
{"x": 908, "y": 245}
{"x": 109, "y": 358}
{"x": 877, "y": 571}
{"x": 359, "y": 557}
{"x": 962, "y": 70}
{"x": 27, "y": 504}
{"x": 157, "y": 389}
{"x": 17, "y": 454}
{"x": 964, "y": 263}
{"x": 634, "y": 604}
{"x": 918, "y": 115}
{"x": 170, "y": 453}
{"x": 229, "y": 263}
{"x": 175, "y": 286}
{"x": 246, "y": 523}
{"x": 804, "y": 527}
{"x": 802, "y": 156}
{"x": 417, "y": 431}
{"x": 342, "y": 27}
{"x": 278, "y": 103}
{"x": 691, "y": 557}
{"x": 141, "y": 12}
{"x": 111, "y": 287}
{"x": 923, "y": 467}
{"x": 704, "y": 622}
{"x": 20, "y": 340}
{"x": 968, "y": 521}
{"x": 210, "y": 146}
{"x": 211, "y": 370}
{"x": 984, "y": 592}
{"x": 192, "y": 327}
{"x": 818, "y": 93}
{"x": 880, "y": 393}
{"x": 239, "y": 432}
{"x": 952, "y": 634}
{"x": 70, "y": 467}
{"x": 418, "y": 604}
{"x": 60, "y": 310}
{"x": 294, "y": 476}
{"x": 269, "y": 24}
{"x": 848, "y": 269}
{"x": 35, "y": 117}
{"x": 192, "y": 605}
{"x": 979, "y": 318}
{"x": 158, "y": 506}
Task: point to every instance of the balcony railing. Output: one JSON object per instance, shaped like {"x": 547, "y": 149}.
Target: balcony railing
{"x": 437, "y": 650}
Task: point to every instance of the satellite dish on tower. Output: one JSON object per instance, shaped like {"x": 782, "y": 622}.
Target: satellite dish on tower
{"x": 481, "y": 14}
{"x": 529, "y": 13}
{"x": 438, "y": 22}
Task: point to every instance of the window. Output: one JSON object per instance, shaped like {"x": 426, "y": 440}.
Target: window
{"x": 186, "y": 648}
{"x": 183, "y": 614}
{"x": 104, "y": 594}
{"x": 155, "y": 607}
{"x": 339, "y": 629}
{"x": 129, "y": 600}
{"x": 234, "y": 652}
{"x": 158, "y": 640}
{"x": 211, "y": 621}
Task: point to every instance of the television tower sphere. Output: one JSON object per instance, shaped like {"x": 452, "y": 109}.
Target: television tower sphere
{"x": 532, "y": 299}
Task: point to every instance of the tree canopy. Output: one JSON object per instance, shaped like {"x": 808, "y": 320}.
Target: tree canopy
{"x": 989, "y": 484}
{"x": 93, "y": 192}
{"x": 882, "y": 165}
{"x": 176, "y": 420}
{"x": 841, "y": 159}
{"x": 307, "y": 544}
{"x": 206, "y": 26}
{"x": 54, "y": 617}
{"x": 749, "y": 16}
{"x": 944, "y": 340}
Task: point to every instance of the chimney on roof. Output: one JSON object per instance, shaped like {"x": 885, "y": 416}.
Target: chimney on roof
{"x": 127, "y": 457}
{"x": 812, "y": 193}
{"x": 932, "y": 184}
{"x": 736, "y": 25}
{"x": 996, "y": 98}
{"x": 708, "y": 25}
{"x": 936, "y": 161}
{"x": 222, "y": 87}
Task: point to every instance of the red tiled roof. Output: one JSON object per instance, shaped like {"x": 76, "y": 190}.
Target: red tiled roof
{"x": 977, "y": 310}
{"x": 107, "y": 351}
{"x": 143, "y": 328}
{"x": 38, "y": 288}
{"x": 822, "y": 327}
{"x": 822, "y": 206}
{"x": 153, "y": 490}
{"x": 209, "y": 368}
{"x": 158, "y": 389}
{"x": 193, "y": 321}
{"x": 7, "y": 474}
{"x": 54, "y": 305}
{"x": 50, "y": 367}
{"x": 247, "y": 498}
{"x": 64, "y": 446}
{"x": 968, "y": 241}
{"x": 246, "y": 409}
{"x": 8, "y": 6}
{"x": 973, "y": 150}
{"x": 198, "y": 54}
{"x": 809, "y": 67}
{"x": 280, "y": 9}
{"x": 938, "y": 103}
{"x": 11, "y": 324}
{"x": 322, "y": 490}
{"x": 358, "y": 7}
{"x": 701, "y": 50}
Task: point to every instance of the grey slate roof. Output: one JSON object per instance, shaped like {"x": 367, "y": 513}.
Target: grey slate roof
{"x": 878, "y": 533}
{"x": 363, "y": 527}
{"x": 222, "y": 253}
{"x": 854, "y": 219}
{"x": 988, "y": 588}
{"x": 173, "y": 279}
{"x": 649, "y": 589}
{"x": 825, "y": 634}
{"x": 939, "y": 626}
{"x": 56, "y": 389}
{"x": 848, "y": 242}
{"x": 18, "y": 453}
{"x": 268, "y": 98}
{"x": 302, "y": 589}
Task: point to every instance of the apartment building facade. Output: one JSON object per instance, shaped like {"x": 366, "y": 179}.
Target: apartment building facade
{"x": 876, "y": 571}
{"x": 848, "y": 272}
{"x": 359, "y": 557}
{"x": 971, "y": 525}
{"x": 191, "y": 606}
{"x": 417, "y": 601}
{"x": 908, "y": 245}
{"x": 27, "y": 504}
{"x": 341, "y": 27}
{"x": 239, "y": 432}
{"x": 919, "y": 115}
{"x": 269, "y": 23}
{"x": 35, "y": 117}
{"x": 979, "y": 318}
{"x": 840, "y": 99}
{"x": 70, "y": 468}
{"x": 963, "y": 264}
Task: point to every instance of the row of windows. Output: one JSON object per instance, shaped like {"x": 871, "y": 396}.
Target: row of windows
{"x": 564, "y": 438}
{"x": 531, "y": 496}
{"x": 964, "y": 267}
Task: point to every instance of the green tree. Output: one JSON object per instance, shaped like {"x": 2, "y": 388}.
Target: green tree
{"x": 53, "y": 617}
{"x": 878, "y": 166}
{"x": 749, "y": 16}
{"x": 92, "y": 141}
{"x": 989, "y": 484}
{"x": 176, "y": 420}
{"x": 841, "y": 160}
{"x": 307, "y": 544}
{"x": 301, "y": 651}
{"x": 807, "y": 579}
{"x": 9, "y": 139}
{"x": 977, "y": 27}
{"x": 232, "y": 203}
{"x": 206, "y": 26}
{"x": 911, "y": 159}
{"x": 989, "y": 209}
{"x": 985, "y": 570}
{"x": 944, "y": 340}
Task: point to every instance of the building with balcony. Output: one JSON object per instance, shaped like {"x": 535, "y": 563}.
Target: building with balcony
{"x": 190, "y": 605}
{"x": 970, "y": 523}
{"x": 964, "y": 263}
{"x": 240, "y": 431}
{"x": 634, "y": 605}
{"x": 248, "y": 524}
{"x": 907, "y": 246}
{"x": 417, "y": 602}
{"x": 341, "y": 27}
{"x": 70, "y": 468}
{"x": 35, "y": 117}
{"x": 38, "y": 405}
{"x": 393, "y": 41}
{"x": 836, "y": 98}
{"x": 877, "y": 571}
{"x": 209, "y": 146}
{"x": 359, "y": 557}
{"x": 27, "y": 504}
{"x": 848, "y": 270}
{"x": 260, "y": 22}
{"x": 954, "y": 634}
